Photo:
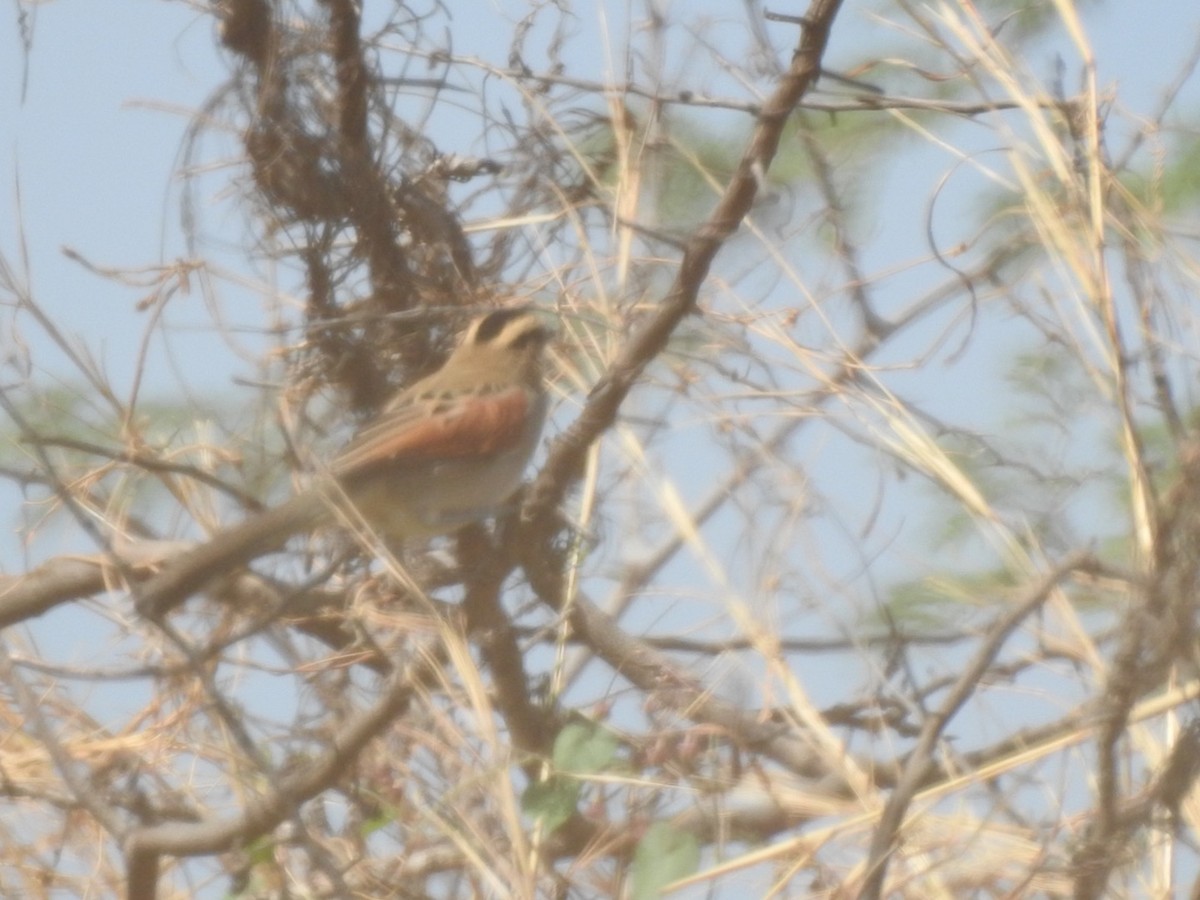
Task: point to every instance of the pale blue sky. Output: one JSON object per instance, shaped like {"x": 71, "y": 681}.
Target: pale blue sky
{"x": 109, "y": 89}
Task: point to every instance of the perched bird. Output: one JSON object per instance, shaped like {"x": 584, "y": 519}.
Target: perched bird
{"x": 446, "y": 451}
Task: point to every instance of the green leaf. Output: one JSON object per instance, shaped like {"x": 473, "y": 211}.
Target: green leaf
{"x": 551, "y": 802}
{"x": 584, "y": 748}
{"x": 261, "y": 850}
{"x": 375, "y": 823}
{"x": 664, "y": 854}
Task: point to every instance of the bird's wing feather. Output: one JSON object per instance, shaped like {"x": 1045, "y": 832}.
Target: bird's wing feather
{"x": 469, "y": 425}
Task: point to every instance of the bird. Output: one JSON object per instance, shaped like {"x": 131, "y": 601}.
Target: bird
{"x": 446, "y": 451}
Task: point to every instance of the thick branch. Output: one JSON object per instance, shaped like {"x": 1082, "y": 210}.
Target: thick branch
{"x": 565, "y": 463}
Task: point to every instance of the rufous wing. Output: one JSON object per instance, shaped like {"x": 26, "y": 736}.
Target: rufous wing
{"x": 462, "y": 427}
